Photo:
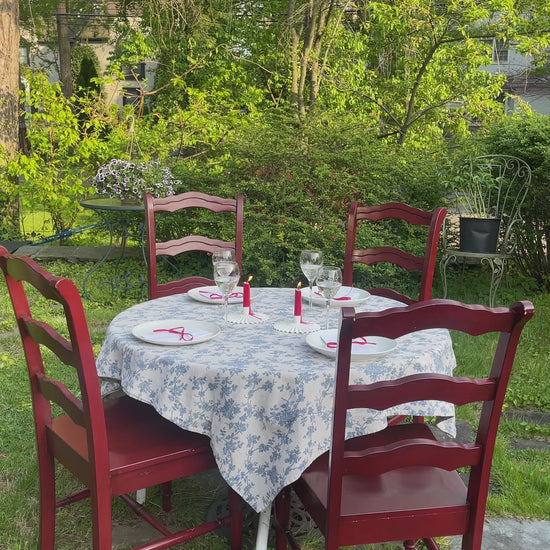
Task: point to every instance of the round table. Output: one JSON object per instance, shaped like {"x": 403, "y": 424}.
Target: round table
{"x": 264, "y": 397}
{"x": 124, "y": 221}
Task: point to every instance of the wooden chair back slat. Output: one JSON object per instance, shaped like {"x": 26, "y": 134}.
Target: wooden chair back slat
{"x": 410, "y": 453}
{"x": 369, "y": 256}
{"x": 420, "y": 387}
{"x": 187, "y": 243}
{"x": 58, "y": 393}
{"x": 44, "y": 334}
{"x": 190, "y": 243}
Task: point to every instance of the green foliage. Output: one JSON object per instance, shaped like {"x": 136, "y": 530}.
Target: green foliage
{"x": 476, "y": 188}
{"x": 52, "y": 174}
{"x": 298, "y": 183}
{"x": 396, "y": 68}
{"x": 529, "y": 139}
{"x": 412, "y": 70}
{"x": 85, "y": 69}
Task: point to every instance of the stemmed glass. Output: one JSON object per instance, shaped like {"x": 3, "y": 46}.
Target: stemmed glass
{"x": 310, "y": 262}
{"x": 223, "y": 255}
{"x": 329, "y": 281}
{"x": 226, "y": 277}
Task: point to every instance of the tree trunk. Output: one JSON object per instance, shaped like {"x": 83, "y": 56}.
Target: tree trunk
{"x": 64, "y": 42}
{"x": 9, "y": 74}
{"x": 308, "y": 49}
{"x": 9, "y": 101}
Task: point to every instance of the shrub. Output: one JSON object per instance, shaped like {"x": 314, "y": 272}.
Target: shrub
{"x": 52, "y": 174}
{"x": 298, "y": 182}
{"x": 529, "y": 139}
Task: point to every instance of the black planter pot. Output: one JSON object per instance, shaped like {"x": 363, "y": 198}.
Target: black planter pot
{"x": 479, "y": 235}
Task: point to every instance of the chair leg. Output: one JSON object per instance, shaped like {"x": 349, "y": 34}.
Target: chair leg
{"x": 101, "y": 519}
{"x": 47, "y": 503}
{"x": 236, "y": 513}
{"x": 166, "y": 494}
{"x": 282, "y": 518}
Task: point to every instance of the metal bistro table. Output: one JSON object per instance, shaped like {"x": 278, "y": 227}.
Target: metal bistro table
{"x": 264, "y": 397}
{"x": 120, "y": 219}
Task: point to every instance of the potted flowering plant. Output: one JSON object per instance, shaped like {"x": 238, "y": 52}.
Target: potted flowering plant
{"x": 130, "y": 181}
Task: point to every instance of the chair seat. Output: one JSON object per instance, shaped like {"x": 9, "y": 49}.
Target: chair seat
{"x": 137, "y": 439}
{"x": 406, "y": 499}
{"x": 475, "y": 255}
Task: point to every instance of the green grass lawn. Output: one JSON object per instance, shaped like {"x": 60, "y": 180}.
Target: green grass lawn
{"x": 520, "y": 479}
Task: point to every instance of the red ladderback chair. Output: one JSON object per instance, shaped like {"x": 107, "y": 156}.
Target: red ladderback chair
{"x": 114, "y": 446}
{"x": 369, "y": 256}
{"x": 401, "y": 483}
{"x": 187, "y": 243}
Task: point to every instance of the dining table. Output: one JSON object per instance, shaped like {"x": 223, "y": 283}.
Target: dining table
{"x": 261, "y": 391}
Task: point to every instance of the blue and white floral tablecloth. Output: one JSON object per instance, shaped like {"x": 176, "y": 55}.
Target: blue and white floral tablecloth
{"x": 263, "y": 397}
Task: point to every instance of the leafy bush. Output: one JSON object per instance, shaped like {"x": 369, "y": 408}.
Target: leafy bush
{"x": 529, "y": 139}
{"x": 298, "y": 183}
{"x": 52, "y": 174}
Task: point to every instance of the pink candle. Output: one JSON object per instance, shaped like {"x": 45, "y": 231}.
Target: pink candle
{"x": 246, "y": 292}
{"x": 298, "y": 301}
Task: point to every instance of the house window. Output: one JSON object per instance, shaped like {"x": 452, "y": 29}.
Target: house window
{"x": 132, "y": 72}
{"x": 500, "y": 51}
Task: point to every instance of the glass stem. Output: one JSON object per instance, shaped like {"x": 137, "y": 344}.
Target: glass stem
{"x": 310, "y": 294}
{"x": 226, "y": 306}
{"x": 328, "y": 311}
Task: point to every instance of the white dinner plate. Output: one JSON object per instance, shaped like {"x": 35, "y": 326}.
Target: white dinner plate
{"x": 325, "y": 342}
{"x": 168, "y": 332}
{"x": 346, "y": 296}
{"x": 212, "y": 295}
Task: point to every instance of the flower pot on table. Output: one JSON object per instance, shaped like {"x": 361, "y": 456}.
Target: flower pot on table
{"x": 479, "y": 235}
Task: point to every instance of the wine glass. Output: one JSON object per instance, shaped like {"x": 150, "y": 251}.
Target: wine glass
{"x": 310, "y": 262}
{"x": 329, "y": 281}
{"x": 223, "y": 255}
{"x": 226, "y": 277}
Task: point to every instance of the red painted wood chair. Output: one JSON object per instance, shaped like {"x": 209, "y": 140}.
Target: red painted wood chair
{"x": 369, "y": 256}
{"x": 401, "y": 483}
{"x": 114, "y": 447}
{"x": 187, "y": 243}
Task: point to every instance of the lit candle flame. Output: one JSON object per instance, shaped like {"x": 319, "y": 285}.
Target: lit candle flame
{"x": 299, "y": 285}
{"x": 249, "y": 279}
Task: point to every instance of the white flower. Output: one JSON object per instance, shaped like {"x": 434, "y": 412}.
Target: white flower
{"x": 123, "y": 179}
